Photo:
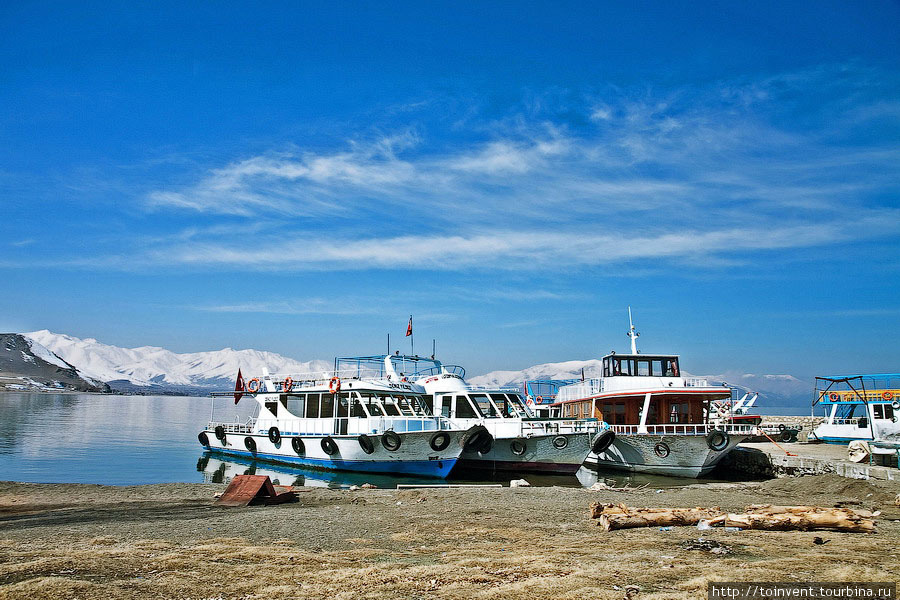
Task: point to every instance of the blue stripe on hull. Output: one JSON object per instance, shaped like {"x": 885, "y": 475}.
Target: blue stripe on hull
{"x": 424, "y": 468}
{"x": 843, "y": 441}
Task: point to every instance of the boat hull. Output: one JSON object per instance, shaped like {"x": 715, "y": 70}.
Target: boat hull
{"x": 540, "y": 455}
{"x": 414, "y": 457}
{"x": 688, "y": 456}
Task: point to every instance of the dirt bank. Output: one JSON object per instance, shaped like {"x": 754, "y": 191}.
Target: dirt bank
{"x": 170, "y": 541}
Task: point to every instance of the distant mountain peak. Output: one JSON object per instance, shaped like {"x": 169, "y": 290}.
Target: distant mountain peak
{"x": 152, "y": 366}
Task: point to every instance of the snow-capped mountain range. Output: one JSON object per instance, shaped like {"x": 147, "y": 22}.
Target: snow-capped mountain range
{"x": 150, "y": 366}
{"x": 153, "y": 367}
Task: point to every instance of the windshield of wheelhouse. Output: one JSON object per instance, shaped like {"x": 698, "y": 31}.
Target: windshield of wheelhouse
{"x": 641, "y": 366}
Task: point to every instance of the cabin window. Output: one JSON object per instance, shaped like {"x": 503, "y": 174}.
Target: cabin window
{"x": 272, "y": 407}
{"x": 343, "y": 404}
{"x": 464, "y": 410}
{"x": 487, "y": 409}
{"x": 373, "y": 407}
{"x": 446, "y": 402}
{"x": 502, "y": 403}
{"x": 657, "y": 367}
{"x": 327, "y": 411}
{"x": 643, "y": 368}
{"x": 882, "y": 411}
{"x": 679, "y": 412}
{"x": 356, "y": 407}
{"x": 312, "y": 406}
{"x": 296, "y": 405}
{"x": 390, "y": 406}
{"x": 672, "y": 367}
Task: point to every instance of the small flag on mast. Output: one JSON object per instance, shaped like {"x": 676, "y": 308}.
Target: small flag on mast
{"x": 409, "y": 327}
{"x": 239, "y": 387}
{"x": 582, "y": 373}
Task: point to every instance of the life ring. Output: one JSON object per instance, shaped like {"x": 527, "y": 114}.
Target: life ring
{"x": 334, "y": 386}
{"x": 391, "y": 441}
{"x": 560, "y": 442}
{"x": 288, "y": 384}
{"x": 474, "y": 437}
{"x": 887, "y": 395}
{"x": 366, "y": 443}
{"x": 204, "y": 439}
{"x": 602, "y": 441}
{"x": 518, "y": 446}
{"x": 661, "y": 449}
{"x": 329, "y": 446}
{"x": 717, "y": 440}
{"x": 298, "y": 445}
{"x": 274, "y": 435}
{"x": 833, "y": 396}
{"x": 250, "y": 444}
{"x": 220, "y": 433}
{"x": 253, "y": 385}
{"x": 539, "y": 399}
{"x": 439, "y": 441}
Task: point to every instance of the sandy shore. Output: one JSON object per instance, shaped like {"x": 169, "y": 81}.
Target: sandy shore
{"x": 170, "y": 541}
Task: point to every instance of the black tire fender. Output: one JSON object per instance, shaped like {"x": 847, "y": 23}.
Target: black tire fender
{"x": 250, "y": 444}
{"x": 518, "y": 446}
{"x": 781, "y": 427}
{"x": 391, "y": 441}
{"x": 329, "y": 446}
{"x": 786, "y": 435}
{"x": 717, "y": 440}
{"x": 220, "y": 433}
{"x": 474, "y": 437}
{"x": 487, "y": 444}
{"x": 601, "y": 442}
{"x": 439, "y": 441}
{"x": 274, "y": 435}
{"x": 366, "y": 443}
{"x": 298, "y": 445}
{"x": 204, "y": 439}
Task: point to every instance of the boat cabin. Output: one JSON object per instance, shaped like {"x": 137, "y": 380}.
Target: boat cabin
{"x": 634, "y": 384}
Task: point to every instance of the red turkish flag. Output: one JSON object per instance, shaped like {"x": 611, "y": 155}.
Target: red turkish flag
{"x": 409, "y": 328}
{"x": 239, "y": 387}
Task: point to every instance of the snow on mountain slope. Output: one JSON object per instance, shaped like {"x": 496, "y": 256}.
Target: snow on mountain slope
{"x": 773, "y": 389}
{"x": 152, "y": 366}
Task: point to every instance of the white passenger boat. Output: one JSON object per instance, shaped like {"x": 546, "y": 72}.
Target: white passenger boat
{"x": 662, "y": 420}
{"x": 858, "y": 407}
{"x": 521, "y": 442}
{"x": 346, "y": 421}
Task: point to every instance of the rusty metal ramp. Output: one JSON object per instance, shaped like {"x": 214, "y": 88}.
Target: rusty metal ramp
{"x": 255, "y": 489}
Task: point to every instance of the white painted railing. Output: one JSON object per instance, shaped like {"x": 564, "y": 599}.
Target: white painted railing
{"x": 683, "y": 429}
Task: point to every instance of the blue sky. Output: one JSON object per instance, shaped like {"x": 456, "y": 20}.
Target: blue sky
{"x": 300, "y": 177}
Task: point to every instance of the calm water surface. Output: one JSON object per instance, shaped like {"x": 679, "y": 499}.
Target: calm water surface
{"x": 128, "y": 440}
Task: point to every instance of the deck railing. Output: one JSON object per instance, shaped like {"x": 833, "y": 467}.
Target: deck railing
{"x": 682, "y": 429}
{"x": 337, "y": 425}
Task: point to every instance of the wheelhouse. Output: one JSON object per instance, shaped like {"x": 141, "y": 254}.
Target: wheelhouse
{"x": 477, "y": 404}
{"x": 641, "y": 390}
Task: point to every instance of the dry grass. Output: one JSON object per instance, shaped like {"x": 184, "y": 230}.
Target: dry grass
{"x": 536, "y": 543}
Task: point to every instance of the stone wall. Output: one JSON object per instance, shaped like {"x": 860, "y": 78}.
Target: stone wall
{"x": 808, "y": 423}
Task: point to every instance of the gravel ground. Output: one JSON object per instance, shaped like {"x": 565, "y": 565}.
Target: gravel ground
{"x": 171, "y": 541}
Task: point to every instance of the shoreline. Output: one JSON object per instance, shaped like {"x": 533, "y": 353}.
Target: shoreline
{"x": 170, "y": 540}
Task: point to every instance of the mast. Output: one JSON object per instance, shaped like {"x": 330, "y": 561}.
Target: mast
{"x": 632, "y": 333}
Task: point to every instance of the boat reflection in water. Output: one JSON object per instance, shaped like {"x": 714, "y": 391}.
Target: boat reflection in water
{"x": 217, "y": 468}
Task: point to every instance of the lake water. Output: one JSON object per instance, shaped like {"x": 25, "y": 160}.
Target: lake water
{"x": 129, "y": 440}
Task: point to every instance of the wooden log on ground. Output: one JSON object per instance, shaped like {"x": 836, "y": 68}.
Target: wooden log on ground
{"x": 759, "y": 516}
{"x": 837, "y": 519}
{"x": 613, "y": 516}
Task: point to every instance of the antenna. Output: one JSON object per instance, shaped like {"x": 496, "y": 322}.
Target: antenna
{"x": 632, "y": 333}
